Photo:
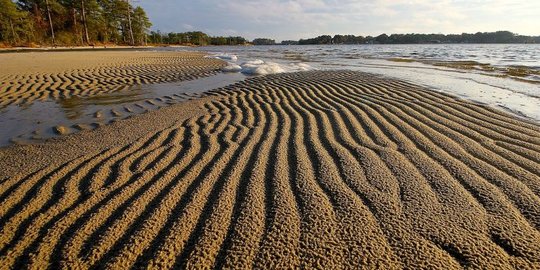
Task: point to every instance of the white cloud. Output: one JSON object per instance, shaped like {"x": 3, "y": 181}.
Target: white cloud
{"x": 293, "y": 19}
{"x": 187, "y": 26}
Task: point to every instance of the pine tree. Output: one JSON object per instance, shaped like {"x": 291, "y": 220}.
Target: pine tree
{"x": 141, "y": 25}
{"x": 13, "y": 23}
{"x": 113, "y": 19}
{"x": 72, "y": 22}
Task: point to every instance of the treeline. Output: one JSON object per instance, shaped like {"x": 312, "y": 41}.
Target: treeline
{"x": 263, "y": 41}
{"x": 486, "y": 37}
{"x": 72, "y": 22}
{"x": 193, "y": 38}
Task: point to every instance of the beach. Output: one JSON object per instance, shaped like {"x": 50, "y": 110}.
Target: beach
{"x": 311, "y": 169}
{"x": 26, "y": 77}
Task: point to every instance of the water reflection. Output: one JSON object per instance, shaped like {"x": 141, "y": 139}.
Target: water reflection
{"x": 75, "y": 107}
{"x": 36, "y": 121}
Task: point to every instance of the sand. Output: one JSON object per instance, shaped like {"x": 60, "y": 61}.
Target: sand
{"x": 26, "y": 77}
{"x": 317, "y": 169}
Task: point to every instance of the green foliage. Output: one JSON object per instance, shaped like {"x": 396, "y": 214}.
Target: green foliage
{"x": 14, "y": 24}
{"x": 486, "y": 37}
{"x": 193, "y": 38}
{"x": 382, "y": 39}
{"x": 140, "y": 25}
{"x": 263, "y": 41}
{"x": 65, "y": 38}
{"x": 227, "y": 41}
{"x": 289, "y": 42}
{"x": 75, "y": 22}
{"x": 347, "y": 39}
{"x": 325, "y": 39}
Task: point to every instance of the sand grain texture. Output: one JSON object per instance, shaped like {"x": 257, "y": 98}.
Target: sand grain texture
{"x": 319, "y": 169}
{"x": 27, "y": 77}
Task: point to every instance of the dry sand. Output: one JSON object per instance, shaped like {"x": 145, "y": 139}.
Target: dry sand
{"x": 319, "y": 169}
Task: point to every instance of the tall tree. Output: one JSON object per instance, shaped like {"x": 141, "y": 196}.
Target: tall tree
{"x": 141, "y": 25}
{"x": 50, "y": 20}
{"x": 13, "y": 22}
{"x": 47, "y": 16}
{"x": 113, "y": 18}
{"x": 34, "y": 9}
{"x": 72, "y": 22}
{"x": 85, "y": 22}
{"x": 108, "y": 20}
{"x": 130, "y": 28}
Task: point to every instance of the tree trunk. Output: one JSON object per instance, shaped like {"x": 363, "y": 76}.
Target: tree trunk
{"x": 123, "y": 35}
{"x": 50, "y": 22}
{"x": 13, "y": 31}
{"x": 129, "y": 24}
{"x": 143, "y": 34}
{"x": 74, "y": 17}
{"x": 85, "y": 24}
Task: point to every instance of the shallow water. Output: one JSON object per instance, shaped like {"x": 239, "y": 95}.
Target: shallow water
{"x": 504, "y": 76}
{"x": 38, "y": 120}
{"x": 494, "y": 54}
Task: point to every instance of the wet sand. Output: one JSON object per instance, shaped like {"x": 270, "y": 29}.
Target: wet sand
{"x": 27, "y": 77}
{"x": 318, "y": 169}
{"x": 47, "y": 94}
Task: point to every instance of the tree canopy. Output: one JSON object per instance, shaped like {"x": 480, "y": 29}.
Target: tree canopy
{"x": 72, "y": 22}
{"x": 480, "y": 37}
{"x": 193, "y": 38}
{"x": 264, "y": 41}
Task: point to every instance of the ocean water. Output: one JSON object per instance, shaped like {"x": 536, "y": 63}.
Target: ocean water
{"x": 504, "y": 76}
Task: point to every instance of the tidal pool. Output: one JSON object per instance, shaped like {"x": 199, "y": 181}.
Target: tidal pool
{"x": 32, "y": 122}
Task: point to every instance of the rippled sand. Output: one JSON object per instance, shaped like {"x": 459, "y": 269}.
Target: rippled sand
{"x": 27, "y": 77}
{"x": 319, "y": 169}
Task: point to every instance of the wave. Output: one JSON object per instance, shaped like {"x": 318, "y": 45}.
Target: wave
{"x": 224, "y": 56}
{"x": 260, "y": 67}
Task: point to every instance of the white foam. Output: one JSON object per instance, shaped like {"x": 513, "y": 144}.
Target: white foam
{"x": 224, "y": 56}
{"x": 231, "y": 67}
{"x": 301, "y": 66}
{"x": 260, "y": 67}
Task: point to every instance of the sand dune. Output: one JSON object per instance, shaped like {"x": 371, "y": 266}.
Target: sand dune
{"x": 26, "y": 77}
{"x": 319, "y": 169}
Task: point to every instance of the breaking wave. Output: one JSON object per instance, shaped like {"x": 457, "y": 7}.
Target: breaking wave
{"x": 260, "y": 67}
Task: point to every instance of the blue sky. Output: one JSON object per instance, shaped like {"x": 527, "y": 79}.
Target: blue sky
{"x": 288, "y": 19}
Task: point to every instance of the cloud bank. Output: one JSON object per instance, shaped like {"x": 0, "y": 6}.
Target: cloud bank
{"x": 288, "y": 19}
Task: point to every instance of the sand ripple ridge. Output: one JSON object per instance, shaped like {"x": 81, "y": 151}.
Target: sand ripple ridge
{"x": 317, "y": 169}
{"x": 61, "y": 75}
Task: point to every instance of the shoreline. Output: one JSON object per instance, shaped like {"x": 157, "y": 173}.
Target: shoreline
{"x": 331, "y": 169}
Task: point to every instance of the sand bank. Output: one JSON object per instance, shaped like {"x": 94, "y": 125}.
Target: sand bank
{"x": 26, "y": 77}
{"x": 49, "y": 93}
{"x": 314, "y": 169}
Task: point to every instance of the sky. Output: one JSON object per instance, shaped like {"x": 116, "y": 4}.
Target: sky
{"x": 295, "y": 19}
